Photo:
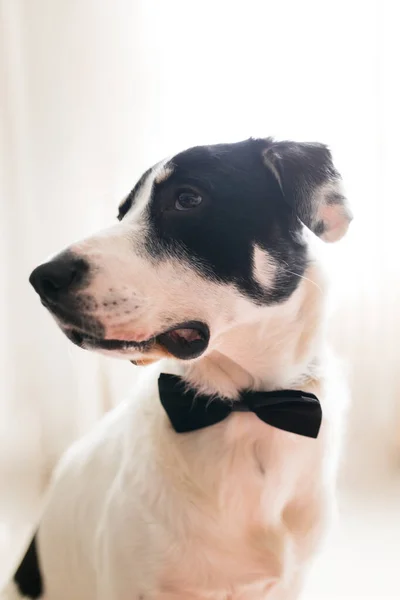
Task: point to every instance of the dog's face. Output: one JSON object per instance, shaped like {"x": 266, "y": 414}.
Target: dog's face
{"x": 203, "y": 241}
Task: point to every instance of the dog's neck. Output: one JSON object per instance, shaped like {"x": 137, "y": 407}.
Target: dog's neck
{"x": 279, "y": 348}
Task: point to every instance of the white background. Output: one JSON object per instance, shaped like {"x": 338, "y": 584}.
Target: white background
{"x": 91, "y": 93}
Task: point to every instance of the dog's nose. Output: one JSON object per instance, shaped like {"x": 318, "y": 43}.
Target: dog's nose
{"x": 54, "y": 279}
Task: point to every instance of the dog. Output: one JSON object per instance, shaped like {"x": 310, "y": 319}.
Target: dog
{"x": 212, "y": 279}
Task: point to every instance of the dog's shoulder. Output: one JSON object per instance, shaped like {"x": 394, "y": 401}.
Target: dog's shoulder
{"x": 120, "y": 430}
{"x": 106, "y": 468}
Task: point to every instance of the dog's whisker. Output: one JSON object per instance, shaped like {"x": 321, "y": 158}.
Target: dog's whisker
{"x": 303, "y": 277}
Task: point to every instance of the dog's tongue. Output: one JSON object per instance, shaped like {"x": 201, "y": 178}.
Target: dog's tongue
{"x": 187, "y": 335}
{"x": 189, "y": 341}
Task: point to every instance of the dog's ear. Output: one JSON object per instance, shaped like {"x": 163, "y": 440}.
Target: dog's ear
{"x": 311, "y": 186}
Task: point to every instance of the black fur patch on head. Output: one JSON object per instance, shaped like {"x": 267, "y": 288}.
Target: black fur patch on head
{"x": 28, "y": 578}
{"x": 242, "y": 206}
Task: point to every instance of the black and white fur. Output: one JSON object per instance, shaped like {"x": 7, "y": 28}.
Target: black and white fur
{"x": 211, "y": 274}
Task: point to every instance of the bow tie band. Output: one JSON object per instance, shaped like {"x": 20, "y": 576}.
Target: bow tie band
{"x": 291, "y": 410}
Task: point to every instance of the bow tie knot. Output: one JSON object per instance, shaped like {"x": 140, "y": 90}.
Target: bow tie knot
{"x": 290, "y": 410}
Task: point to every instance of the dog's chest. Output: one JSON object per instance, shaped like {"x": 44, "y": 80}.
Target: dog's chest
{"x": 221, "y": 513}
{"x": 229, "y": 535}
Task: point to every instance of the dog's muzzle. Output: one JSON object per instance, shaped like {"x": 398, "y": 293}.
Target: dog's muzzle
{"x": 58, "y": 283}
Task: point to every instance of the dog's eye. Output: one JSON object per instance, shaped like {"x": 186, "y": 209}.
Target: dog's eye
{"x": 188, "y": 200}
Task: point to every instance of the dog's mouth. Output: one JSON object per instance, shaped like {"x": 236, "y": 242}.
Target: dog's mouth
{"x": 184, "y": 341}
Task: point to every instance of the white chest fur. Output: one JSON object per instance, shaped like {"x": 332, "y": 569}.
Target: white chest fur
{"x": 231, "y": 511}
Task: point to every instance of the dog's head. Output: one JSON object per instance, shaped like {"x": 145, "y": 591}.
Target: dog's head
{"x": 204, "y": 240}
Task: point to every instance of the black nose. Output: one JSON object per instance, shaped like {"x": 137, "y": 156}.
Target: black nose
{"x": 54, "y": 279}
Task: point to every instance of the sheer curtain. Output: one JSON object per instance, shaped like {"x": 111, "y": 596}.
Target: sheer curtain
{"x": 91, "y": 93}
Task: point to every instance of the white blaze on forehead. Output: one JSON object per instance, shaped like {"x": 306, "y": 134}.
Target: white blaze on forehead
{"x": 160, "y": 172}
{"x": 163, "y": 170}
{"x": 264, "y": 267}
{"x": 110, "y": 243}
{"x": 142, "y": 198}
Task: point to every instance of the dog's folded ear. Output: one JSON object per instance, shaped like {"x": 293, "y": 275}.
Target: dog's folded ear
{"x": 311, "y": 186}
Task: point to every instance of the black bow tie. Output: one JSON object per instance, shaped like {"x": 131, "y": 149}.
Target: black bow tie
{"x": 290, "y": 410}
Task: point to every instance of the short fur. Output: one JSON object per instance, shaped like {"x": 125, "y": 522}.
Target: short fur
{"x": 237, "y": 510}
